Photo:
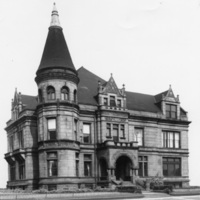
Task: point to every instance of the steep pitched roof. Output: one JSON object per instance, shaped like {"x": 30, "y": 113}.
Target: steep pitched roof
{"x": 141, "y": 102}
{"x": 87, "y": 87}
{"x": 87, "y": 91}
{"x": 56, "y": 53}
{"x": 159, "y": 96}
{"x": 29, "y": 102}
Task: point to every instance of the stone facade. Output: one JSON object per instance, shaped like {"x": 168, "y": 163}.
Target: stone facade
{"x": 82, "y": 131}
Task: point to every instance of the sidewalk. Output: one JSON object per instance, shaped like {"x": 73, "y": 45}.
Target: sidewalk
{"x": 74, "y": 196}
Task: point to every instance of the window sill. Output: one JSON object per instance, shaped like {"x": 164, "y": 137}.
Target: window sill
{"x": 122, "y": 138}
{"x": 109, "y": 137}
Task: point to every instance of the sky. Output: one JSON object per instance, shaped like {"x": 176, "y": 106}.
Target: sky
{"x": 147, "y": 45}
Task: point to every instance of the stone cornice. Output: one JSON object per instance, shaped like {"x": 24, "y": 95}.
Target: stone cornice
{"x": 50, "y": 75}
{"x": 160, "y": 120}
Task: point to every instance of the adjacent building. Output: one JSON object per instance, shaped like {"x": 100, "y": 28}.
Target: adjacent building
{"x": 83, "y": 131}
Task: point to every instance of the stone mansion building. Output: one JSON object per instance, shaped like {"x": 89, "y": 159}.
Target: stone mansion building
{"x": 83, "y": 131}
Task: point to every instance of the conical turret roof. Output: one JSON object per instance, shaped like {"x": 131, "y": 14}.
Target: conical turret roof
{"x": 56, "y": 53}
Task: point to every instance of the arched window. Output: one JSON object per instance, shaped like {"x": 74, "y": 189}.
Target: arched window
{"x": 75, "y": 95}
{"x": 65, "y": 93}
{"x": 50, "y": 92}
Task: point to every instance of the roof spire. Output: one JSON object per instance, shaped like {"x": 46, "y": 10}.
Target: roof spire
{"x": 55, "y": 17}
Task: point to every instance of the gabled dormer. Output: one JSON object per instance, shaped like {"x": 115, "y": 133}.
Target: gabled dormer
{"x": 110, "y": 96}
{"x": 170, "y": 105}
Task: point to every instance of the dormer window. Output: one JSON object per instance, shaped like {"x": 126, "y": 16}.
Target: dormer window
{"x": 119, "y": 103}
{"x": 105, "y": 101}
{"x": 171, "y": 111}
{"x": 50, "y": 93}
{"x": 112, "y": 101}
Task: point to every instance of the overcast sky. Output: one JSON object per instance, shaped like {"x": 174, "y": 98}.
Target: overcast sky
{"x": 146, "y": 44}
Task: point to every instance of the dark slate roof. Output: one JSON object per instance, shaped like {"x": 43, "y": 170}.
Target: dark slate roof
{"x": 141, "y": 102}
{"x": 56, "y": 52}
{"x": 158, "y": 97}
{"x": 87, "y": 91}
{"x": 29, "y": 102}
{"x": 87, "y": 87}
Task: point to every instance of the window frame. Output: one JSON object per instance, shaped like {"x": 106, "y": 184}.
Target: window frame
{"x": 51, "y": 93}
{"x": 87, "y": 135}
{"x": 52, "y": 171}
{"x": 143, "y": 163}
{"x": 108, "y": 130}
{"x": 87, "y": 162}
{"x": 122, "y": 131}
{"x": 112, "y": 101}
{"x": 22, "y": 174}
{"x": 52, "y": 132}
{"x": 169, "y": 140}
{"x": 65, "y": 93}
{"x": 136, "y": 136}
{"x": 170, "y": 112}
{"x": 115, "y": 127}
{"x": 172, "y": 162}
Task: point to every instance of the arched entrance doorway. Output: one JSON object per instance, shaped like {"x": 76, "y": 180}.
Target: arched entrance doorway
{"x": 123, "y": 168}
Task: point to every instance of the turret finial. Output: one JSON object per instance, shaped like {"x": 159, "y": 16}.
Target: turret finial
{"x": 55, "y": 17}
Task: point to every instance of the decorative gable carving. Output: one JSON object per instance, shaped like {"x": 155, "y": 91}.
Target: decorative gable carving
{"x": 170, "y": 96}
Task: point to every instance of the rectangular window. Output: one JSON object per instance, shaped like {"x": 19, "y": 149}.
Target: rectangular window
{"x": 52, "y": 128}
{"x": 87, "y": 165}
{"x": 86, "y": 133}
{"x": 22, "y": 170}
{"x": 77, "y": 164}
{"x": 12, "y": 172}
{"x": 112, "y": 101}
{"x": 75, "y": 129}
{"x": 11, "y": 143}
{"x": 143, "y": 166}
{"x": 105, "y": 101}
{"x": 171, "y": 139}
{"x": 122, "y": 131}
{"x": 115, "y": 132}
{"x": 139, "y": 133}
{"x": 171, "y": 111}
{"x": 21, "y": 139}
{"x": 119, "y": 103}
{"x": 108, "y": 130}
{"x": 52, "y": 164}
{"x": 171, "y": 167}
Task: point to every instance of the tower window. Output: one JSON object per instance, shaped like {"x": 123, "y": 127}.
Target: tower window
{"x": 75, "y": 96}
{"x": 40, "y": 95}
{"x": 52, "y": 164}
{"x": 51, "y": 93}
{"x": 52, "y": 128}
{"x": 65, "y": 93}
